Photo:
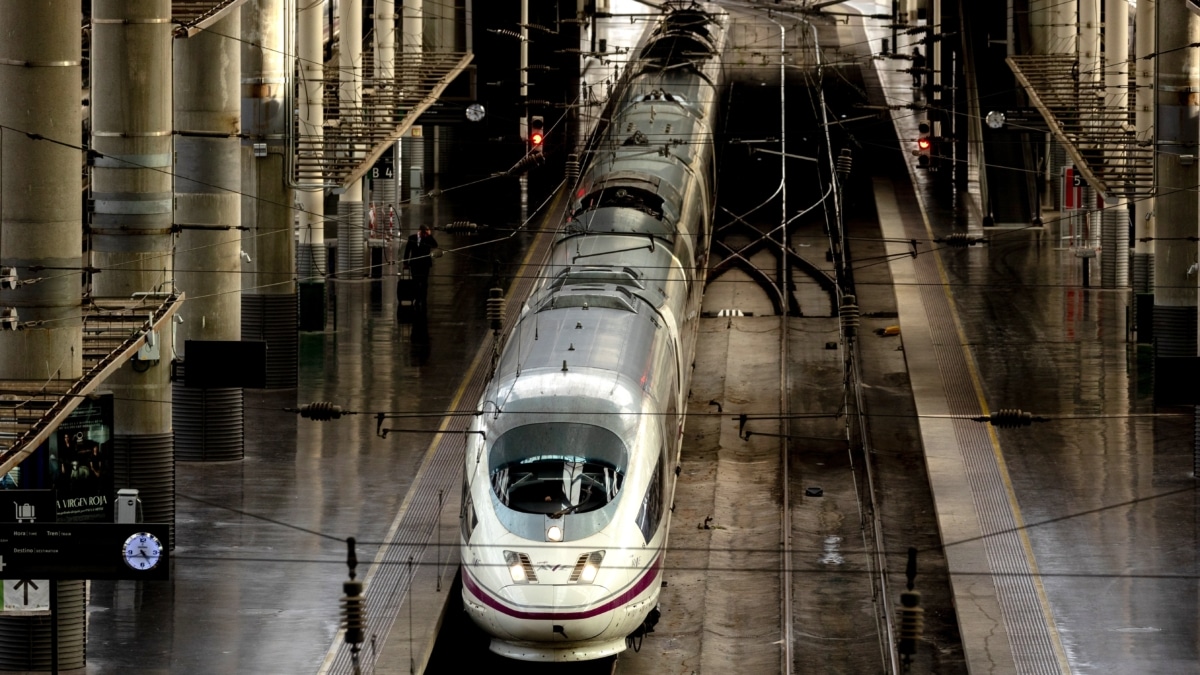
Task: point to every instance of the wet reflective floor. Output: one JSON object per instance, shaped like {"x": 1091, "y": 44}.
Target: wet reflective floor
{"x": 259, "y": 563}
{"x": 1102, "y": 486}
{"x": 1106, "y": 484}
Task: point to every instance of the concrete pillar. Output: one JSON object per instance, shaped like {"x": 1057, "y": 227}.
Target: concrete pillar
{"x": 412, "y": 164}
{"x": 1176, "y": 119}
{"x": 412, "y": 27}
{"x": 385, "y": 39}
{"x": 1039, "y": 25}
{"x": 40, "y": 198}
{"x": 310, "y": 254}
{"x": 131, "y": 230}
{"x": 311, "y": 258}
{"x": 1088, "y": 85}
{"x": 1114, "y": 252}
{"x": 40, "y": 224}
{"x": 1116, "y": 53}
{"x": 269, "y": 306}
{"x": 1143, "y": 209}
{"x": 383, "y": 186}
{"x": 351, "y": 224}
{"x": 1089, "y": 44}
{"x": 208, "y": 422}
{"x": 1063, "y": 27}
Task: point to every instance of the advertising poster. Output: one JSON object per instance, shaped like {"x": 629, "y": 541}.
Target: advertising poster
{"x": 80, "y": 455}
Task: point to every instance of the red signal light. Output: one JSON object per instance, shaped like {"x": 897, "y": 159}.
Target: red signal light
{"x": 923, "y": 143}
{"x": 537, "y": 132}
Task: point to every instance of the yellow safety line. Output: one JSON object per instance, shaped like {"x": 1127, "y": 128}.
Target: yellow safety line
{"x": 1056, "y": 639}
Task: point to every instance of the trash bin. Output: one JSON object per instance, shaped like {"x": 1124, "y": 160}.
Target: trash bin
{"x": 312, "y": 306}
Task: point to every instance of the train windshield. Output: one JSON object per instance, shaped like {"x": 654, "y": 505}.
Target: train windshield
{"x": 557, "y": 468}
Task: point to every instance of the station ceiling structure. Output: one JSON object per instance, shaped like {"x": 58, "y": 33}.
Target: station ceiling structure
{"x": 1099, "y": 138}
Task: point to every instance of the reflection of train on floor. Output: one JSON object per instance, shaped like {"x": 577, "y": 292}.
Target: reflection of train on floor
{"x": 570, "y": 469}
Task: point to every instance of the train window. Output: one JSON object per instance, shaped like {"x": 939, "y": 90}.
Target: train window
{"x": 573, "y": 276}
{"x": 625, "y": 197}
{"x": 467, "y": 517}
{"x": 599, "y": 298}
{"x": 651, "y": 511}
{"x": 660, "y": 95}
{"x": 536, "y": 469}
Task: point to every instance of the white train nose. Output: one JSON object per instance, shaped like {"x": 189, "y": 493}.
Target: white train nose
{"x": 556, "y": 613}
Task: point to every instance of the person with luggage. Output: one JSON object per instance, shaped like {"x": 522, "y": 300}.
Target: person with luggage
{"x": 418, "y": 259}
{"x": 918, "y": 67}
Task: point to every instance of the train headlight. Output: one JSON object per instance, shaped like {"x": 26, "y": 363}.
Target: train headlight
{"x": 587, "y": 567}
{"x": 589, "y": 573}
{"x": 519, "y": 568}
{"x": 554, "y": 533}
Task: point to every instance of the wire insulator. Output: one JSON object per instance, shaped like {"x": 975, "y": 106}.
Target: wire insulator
{"x": 461, "y": 227}
{"x": 959, "y": 240}
{"x": 572, "y": 168}
{"x": 1010, "y": 418}
{"x": 531, "y": 159}
{"x": 912, "y": 622}
{"x": 321, "y": 411}
{"x": 850, "y": 314}
{"x": 844, "y": 163}
{"x": 495, "y": 308}
{"x": 354, "y": 612}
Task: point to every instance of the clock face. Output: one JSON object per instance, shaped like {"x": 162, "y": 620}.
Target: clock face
{"x": 995, "y": 119}
{"x": 142, "y": 551}
{"x": 475, "y": 112}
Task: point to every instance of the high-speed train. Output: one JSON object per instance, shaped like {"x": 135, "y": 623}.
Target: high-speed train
{"x": 571, "y": 464}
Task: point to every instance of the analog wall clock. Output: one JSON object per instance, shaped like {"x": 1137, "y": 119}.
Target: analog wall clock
{"x": 142, "y": 551}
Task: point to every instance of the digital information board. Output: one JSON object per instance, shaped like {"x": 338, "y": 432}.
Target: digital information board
{"x": 85, "y": 551}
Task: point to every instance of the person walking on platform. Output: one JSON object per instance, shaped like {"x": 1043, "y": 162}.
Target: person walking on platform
{"x": 418, "y": 258}
{"x": 918, "y": 66}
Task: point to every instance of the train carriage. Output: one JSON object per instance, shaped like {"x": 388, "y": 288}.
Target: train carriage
{"x": 569, "y": 480}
